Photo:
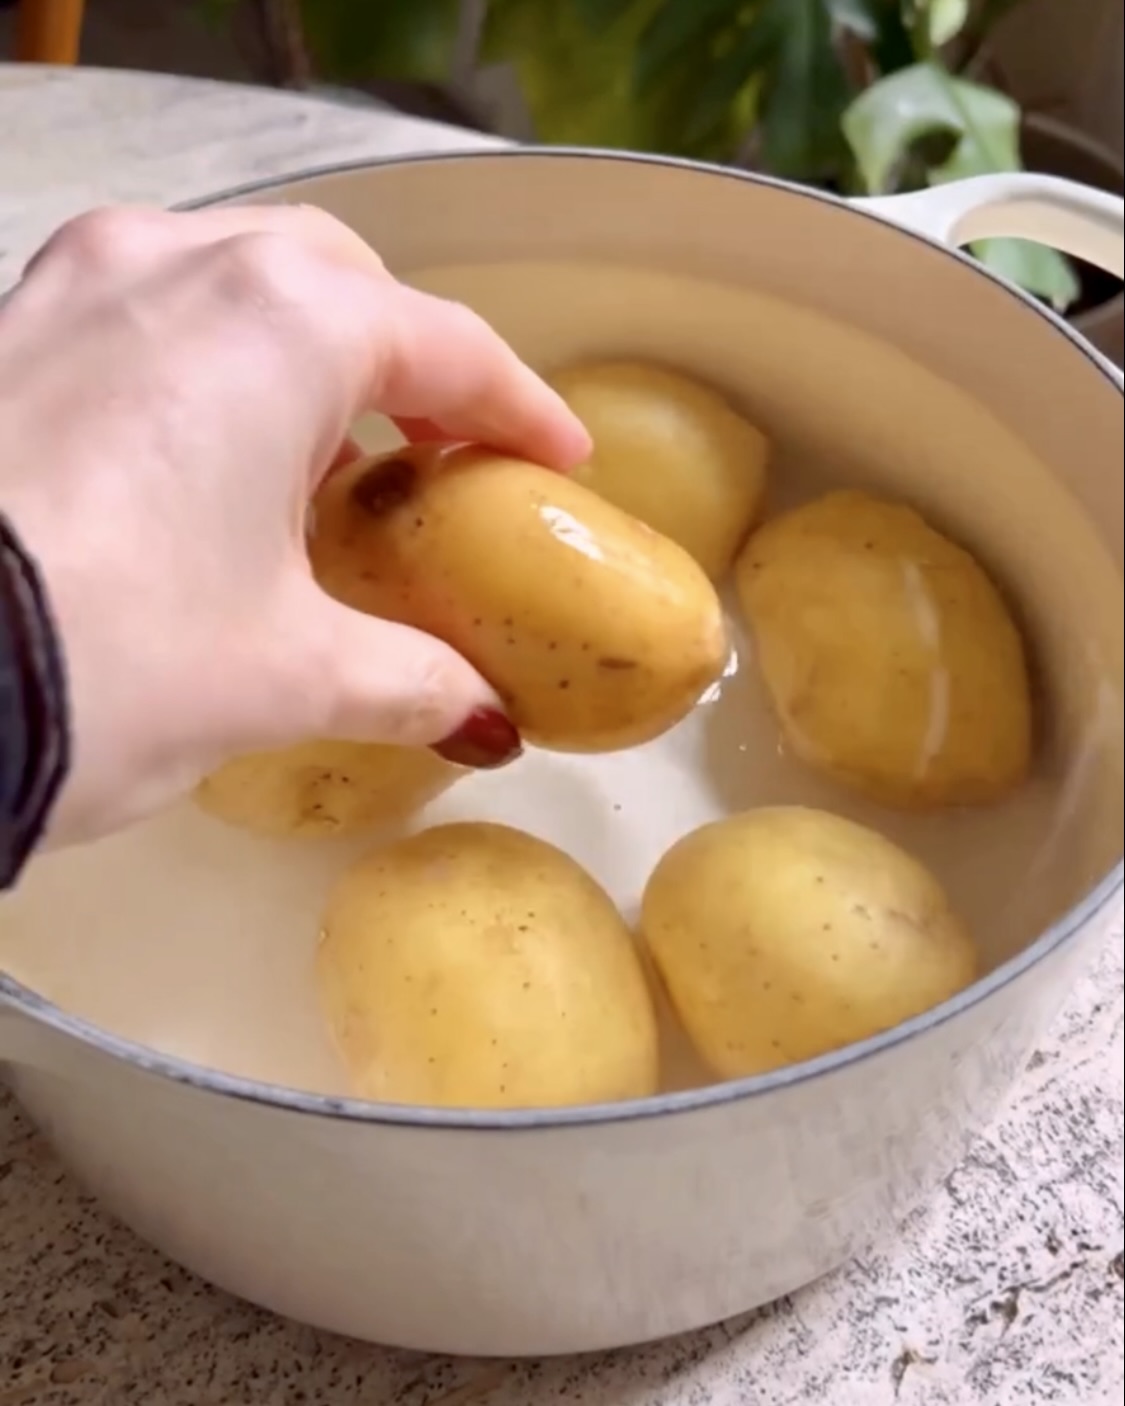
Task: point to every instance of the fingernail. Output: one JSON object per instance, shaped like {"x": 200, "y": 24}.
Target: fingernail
{"x": 485, "y": 739}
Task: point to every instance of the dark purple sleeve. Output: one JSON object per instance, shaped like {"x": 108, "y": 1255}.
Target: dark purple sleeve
{"x": 34, "y": 724}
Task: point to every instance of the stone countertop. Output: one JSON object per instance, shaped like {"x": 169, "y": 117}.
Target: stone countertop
{"x": 1005, "y": 1291}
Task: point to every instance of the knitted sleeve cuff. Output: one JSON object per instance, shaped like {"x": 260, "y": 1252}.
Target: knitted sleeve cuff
{"x": 34, "y": 713}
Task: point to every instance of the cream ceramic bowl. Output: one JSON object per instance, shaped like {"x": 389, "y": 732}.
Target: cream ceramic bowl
{"x": 158, "y": 1019}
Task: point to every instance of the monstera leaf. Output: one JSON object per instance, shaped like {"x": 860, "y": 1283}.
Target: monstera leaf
{"x": 888, "y": 123}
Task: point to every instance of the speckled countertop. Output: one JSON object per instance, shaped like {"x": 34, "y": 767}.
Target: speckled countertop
{"x": 1006, "y": 1291}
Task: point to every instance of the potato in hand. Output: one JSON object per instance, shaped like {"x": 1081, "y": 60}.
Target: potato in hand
{"x": 784, "y": 933}
{"x": 671, "y": 452}
{"x": 596, "y": 632}
{"x": 475, "y": 966}
{"x": 323, "y": 788}
{"x": 891, "y": 659}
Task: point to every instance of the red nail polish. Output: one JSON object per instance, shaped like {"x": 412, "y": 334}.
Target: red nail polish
{"x": 485, "y": 739}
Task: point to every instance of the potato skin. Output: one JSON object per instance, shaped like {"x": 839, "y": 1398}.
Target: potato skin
{"x": 784, "y": 933}
{"x": 475, "y": 966}
{"x": 671, "y": 452}
{"x": 891, "y": 659}
{"x": 596, "y": 632}
{"x": 323, "y": 788}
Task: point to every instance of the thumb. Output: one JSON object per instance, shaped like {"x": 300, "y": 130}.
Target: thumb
{"x": 383, "y": 682}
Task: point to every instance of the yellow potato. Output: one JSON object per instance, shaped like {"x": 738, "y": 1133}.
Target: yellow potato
{"x": 784, "y": 933}
{"x": 323, "y": 788}
{"x": 475, "y": 966}
{"x": 596, "y": 632}
{"x": 890, "y": 657}
{"x": 671, "y": 452}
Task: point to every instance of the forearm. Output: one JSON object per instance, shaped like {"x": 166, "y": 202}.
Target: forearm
{"x": 34, "y": 725}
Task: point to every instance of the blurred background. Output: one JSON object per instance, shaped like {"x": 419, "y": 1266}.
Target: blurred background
{"x": 853, "y": 96}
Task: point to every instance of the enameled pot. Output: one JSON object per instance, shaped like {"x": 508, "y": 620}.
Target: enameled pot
{"x": 157, "y": 1017}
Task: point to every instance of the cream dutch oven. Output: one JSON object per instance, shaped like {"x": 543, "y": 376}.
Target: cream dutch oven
{"x": 157, "y": 1019}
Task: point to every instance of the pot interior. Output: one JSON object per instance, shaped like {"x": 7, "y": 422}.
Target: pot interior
{"x": 872, "y": 359}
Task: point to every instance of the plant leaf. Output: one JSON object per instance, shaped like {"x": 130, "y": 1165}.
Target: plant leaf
{"x": 988, "y": 123}
{"x": 1035, "y": 267}
{"x": 595, "y": 14}
{"x": 579, "y": 86}
{"x": 804, "y": 89}
{"x": 945, "y": 19}
{"x": 412, "y": 41}
{"x": 730, "y": 79}
{"x": 676, "y": 26}
{"x": 885, "y": 121}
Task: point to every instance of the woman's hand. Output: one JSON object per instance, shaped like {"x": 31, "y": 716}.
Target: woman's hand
{"x": 173, "y": 387}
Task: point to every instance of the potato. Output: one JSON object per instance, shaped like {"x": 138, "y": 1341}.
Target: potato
{"x": 671, "y": 452}
{"x": 891, "y": 660}
{"x": 323, "y": 788}
{"x": 595, "y": 631}
{"x": 475, "y": 966}
{"x": 784, "y": 933}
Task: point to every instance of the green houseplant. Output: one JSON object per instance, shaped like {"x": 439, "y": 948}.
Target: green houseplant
{"x": 860, "y": 96}
{"x": 856, "y": 96}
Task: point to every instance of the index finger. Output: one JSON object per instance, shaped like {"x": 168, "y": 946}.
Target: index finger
{"x": 434, "y": 361}
{"x": 439, "y": 362}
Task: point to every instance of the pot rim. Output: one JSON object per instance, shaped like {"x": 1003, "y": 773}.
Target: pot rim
{"x": 1097, "y": 899}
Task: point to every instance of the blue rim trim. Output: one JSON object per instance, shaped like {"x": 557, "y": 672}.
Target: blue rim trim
{"x": 20, "y": 998}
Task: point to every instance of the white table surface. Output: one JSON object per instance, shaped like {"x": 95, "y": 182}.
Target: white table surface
{"x": 1005, "y": 1291}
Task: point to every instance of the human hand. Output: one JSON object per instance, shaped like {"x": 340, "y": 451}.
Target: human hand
{"x": 173, "y": 387}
